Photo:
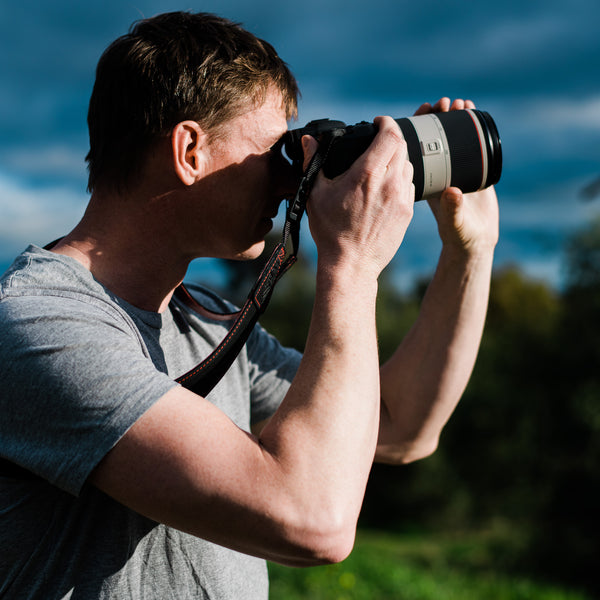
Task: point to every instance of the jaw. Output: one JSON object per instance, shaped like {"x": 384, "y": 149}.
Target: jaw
{"x": 251, "y": 253}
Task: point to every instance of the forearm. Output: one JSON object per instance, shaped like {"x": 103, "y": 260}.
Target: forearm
{"x": 424, "y": 380}
{"x": 325, "y": 433}
{"x": 291, "y": 495}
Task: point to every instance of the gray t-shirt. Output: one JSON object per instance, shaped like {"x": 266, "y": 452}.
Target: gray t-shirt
{"x": 79, "y": 367}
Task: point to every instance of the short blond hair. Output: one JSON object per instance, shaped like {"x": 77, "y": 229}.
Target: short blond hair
{"x": 167, "y": 69}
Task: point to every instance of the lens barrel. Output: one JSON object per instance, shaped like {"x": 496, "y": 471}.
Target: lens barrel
{"x": 459, "y": 148}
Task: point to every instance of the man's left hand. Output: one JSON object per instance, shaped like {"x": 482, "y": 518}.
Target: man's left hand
{"x": 466, "y": 222}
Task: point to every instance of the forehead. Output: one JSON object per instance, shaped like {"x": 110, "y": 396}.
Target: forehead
{"x": 260, "y": 120}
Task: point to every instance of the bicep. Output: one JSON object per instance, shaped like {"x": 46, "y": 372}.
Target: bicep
{"x": 84, "y": 379}
{"x": 184, "y": 463}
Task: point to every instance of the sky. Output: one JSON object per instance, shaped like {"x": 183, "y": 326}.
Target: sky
{"x": 533, "y": 65}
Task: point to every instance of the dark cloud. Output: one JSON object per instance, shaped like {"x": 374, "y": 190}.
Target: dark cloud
{"x": 532, "y": 64}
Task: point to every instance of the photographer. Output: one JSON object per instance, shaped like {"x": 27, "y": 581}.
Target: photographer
{"x": 139, "y": 487}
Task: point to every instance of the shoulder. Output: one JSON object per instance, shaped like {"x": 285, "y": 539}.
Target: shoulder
{"x": 56, "y": 319}
{"x": 43, "y": 284}
{"x": 79, "y": 363}
{"x": 36, "y": 270}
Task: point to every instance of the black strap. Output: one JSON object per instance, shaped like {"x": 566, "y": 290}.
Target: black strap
{"x": 204, "y": 376}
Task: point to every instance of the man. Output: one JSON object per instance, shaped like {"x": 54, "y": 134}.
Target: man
{"x": 144, "y": 489}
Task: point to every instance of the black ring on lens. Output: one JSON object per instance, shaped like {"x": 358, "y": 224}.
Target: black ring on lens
{"x": 465, "y": 148}
{"x": 493, "y": 146}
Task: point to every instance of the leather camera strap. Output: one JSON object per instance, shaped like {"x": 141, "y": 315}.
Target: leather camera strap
{"x": 204, "y": 376}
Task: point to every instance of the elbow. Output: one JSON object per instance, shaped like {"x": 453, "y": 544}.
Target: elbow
{"x": 337, "y": 546}
{"x": 421, "y": 450}
{"x": 406, "y": 453}
{"x": 325, "y": 540}
{"x": 330, "y": 551}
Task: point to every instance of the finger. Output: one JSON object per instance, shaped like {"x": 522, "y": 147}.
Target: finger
{"x": 469, "y": 104}
{"x": 451, "y": 200}
{"x": 309, "y": 146}
{"x": 458, "y": 104}
{"x": 388, "y": 141}
{"x": 424, "y": 109}
{"x": 399, "y": 165}
{"x": 442, "y": 105}
{"x": 408, "y": 170}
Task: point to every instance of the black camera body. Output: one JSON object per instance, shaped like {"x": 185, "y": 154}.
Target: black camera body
{"x": 459, "y": 148}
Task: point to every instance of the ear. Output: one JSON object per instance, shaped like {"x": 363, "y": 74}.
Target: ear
{"x": 188, "y": 141}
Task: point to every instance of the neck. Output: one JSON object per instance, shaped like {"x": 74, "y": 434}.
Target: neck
{"x": 128, "y": 245}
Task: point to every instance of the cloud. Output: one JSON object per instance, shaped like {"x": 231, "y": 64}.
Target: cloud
{"x": 549, "y": 207}
{"x": 569, "y": 114}
{"x": 32, "y": 215}
{"x": 54, "y": 162}
{"x": 530, "y": 64}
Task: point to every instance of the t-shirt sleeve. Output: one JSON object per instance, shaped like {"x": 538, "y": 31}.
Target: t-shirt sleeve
{"x": 75, "y": 379}
{"x": 271, "y": 369}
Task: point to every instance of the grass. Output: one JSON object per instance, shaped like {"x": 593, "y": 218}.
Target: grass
{"x": 424, "y": 567}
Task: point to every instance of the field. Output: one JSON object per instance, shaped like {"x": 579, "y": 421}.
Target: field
{"x": 423, "y": 567}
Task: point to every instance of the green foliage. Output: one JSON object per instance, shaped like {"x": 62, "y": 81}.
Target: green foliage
{"x": 395, "y": 567}
{"x": 524, "y": 443}
{"x": 570, "y": 517}
{"x": 395, "y": 315}
{"x": 583, "y": 258}
{"x": 491, "y": 458}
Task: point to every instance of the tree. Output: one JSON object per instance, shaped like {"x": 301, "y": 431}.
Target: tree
{"x": 571, "y": 517}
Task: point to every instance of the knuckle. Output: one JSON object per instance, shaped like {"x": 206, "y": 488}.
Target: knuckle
{"x": 395, "y": 135}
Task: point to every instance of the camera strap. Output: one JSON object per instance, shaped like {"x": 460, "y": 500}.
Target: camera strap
{"x": 205, "y": 376}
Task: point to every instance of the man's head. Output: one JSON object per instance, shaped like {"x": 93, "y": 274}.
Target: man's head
{"x": 167, "y": 69}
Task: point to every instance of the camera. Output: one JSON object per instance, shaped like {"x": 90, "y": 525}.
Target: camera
{"x": 458, "y": 148}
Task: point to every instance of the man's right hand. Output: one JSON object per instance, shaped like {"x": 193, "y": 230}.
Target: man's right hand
{"x": 362, "y": 215}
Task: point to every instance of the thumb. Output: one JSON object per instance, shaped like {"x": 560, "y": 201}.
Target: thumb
{"x": 309, "y": 145}
{"x": 451, "y": 201}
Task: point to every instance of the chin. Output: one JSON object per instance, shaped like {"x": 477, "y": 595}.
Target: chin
{"x": 252, "y": 253}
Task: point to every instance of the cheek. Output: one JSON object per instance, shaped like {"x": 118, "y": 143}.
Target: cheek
{"x": 243, "y": 193}
{"x": 258, "y": 186}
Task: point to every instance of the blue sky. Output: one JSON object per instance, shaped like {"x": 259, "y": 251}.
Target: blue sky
{"x": 535, "y": 66}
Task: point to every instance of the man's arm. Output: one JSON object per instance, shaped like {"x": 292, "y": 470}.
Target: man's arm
{"x": 293, "y": 494}
{"x": 425, "y": 378}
